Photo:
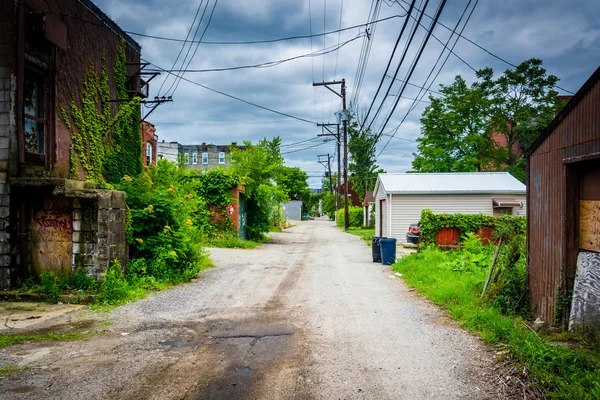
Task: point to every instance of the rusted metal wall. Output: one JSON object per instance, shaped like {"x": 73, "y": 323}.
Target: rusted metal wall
{"x": 552, "y": 203}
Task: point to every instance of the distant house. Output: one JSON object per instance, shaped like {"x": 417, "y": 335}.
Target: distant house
{"x": 169, "y": 151}
{"x": 563, "y": 222}
{"x": 368, "y": 204}
{"x": 353, "y": 197}
{"x": 197, "y": 156}
{"x": 400, "y": 198}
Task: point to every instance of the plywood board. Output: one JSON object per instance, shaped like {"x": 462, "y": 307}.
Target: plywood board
{"x": 52, "y": 237}
{"x": 589, "y": 225}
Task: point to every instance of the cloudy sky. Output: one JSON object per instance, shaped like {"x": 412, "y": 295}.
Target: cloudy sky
{"x": 565, "y": 34}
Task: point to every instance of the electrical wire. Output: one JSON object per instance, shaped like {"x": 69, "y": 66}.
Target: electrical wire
{"x": 389, "y": 63}
{"x": 325, "y": 141}
{"x": 478, "y": 46}
{"x": 412, "y": 107}
{"x": 231, "y": 43}
{"x": 198, "y": 45}
{"x": 414, "y": 64}
{"x": 231, "y": 96}
{"x": 404, "y": 53}
{"x": 269, "y": 64}
{"x": 183, "y": 45}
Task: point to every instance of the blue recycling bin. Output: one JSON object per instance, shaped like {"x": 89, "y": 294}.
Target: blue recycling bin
{"x": 388, "y": 250}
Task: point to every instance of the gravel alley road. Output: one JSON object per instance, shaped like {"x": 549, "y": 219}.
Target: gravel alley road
{"x": 306, "y": 316}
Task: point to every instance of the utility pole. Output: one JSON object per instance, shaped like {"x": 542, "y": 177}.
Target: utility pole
{"x": 328, "y": 168}
{"x": 344, "y": 118}
{"x": 339, "y": 170}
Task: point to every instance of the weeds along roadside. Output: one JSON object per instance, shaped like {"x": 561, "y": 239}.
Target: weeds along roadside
{"x": 454, "y": 279}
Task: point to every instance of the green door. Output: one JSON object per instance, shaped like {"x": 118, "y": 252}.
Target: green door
{"x": 242, "y": 217}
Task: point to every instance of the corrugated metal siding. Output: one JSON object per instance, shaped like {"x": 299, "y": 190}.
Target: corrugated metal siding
{"x": 576, "y": 135}
{"x": 406, "y": 209}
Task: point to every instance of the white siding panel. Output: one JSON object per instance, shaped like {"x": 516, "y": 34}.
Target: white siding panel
{"x": 406, "y": 209}
{"x": 380, "y": 195}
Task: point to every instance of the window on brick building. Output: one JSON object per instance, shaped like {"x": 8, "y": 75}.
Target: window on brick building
{"x": 221, "y": 158}
{"x": 194, "y": 158}
{"x": 34, "y": 113}
{"x": 204, "y": 158}
{"x": 187, "y": 158}
{"x": 148, "y": 153}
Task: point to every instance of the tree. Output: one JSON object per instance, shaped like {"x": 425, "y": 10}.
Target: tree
{"x": 258, "y": 166}
{"x": 455, "y": 128}
{"x": 458, "y": 128}
{"x": 363, "y": 163}
{"x": 522, "y": 103}
{"x": 293, "y": 182}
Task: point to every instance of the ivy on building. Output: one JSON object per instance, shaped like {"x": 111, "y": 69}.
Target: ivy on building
{"x": 107, "y": 147}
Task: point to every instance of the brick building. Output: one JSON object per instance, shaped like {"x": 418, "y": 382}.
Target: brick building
{"x": 49, "y": 222}
{"x": 149, "y": 143}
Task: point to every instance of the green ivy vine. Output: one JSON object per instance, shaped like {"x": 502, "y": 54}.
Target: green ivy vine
{"x": 466, "y": 223}
{"x": 107, "y": 147}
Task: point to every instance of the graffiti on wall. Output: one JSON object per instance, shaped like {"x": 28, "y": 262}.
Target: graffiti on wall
{"x": 52, "y": 237}
{"x": 60, "y": 220}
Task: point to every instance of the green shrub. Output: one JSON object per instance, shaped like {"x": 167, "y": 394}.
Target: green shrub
{"x": 467, "y": 223}
{"x": 355, "y": 217}
{"x": 114, "y": 287}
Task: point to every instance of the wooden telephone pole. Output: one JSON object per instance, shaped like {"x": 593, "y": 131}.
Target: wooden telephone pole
{"x": 344, "y": 118}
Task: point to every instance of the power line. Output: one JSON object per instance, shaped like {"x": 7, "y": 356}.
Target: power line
{"x": 183, "y": 45}
{"x": 412, "y": 107}
{"x": 269, "y": 64}
{"x": 231, "y": 96}
{"x": 475, "y": 44}
{"x": 325, "y": 141}
{"x": 415, "y": 62}
{"x": 201, "y": 37}
{"x": 302, "y": 141}
{"x": 282, "y": 39}
{"x": 404, "y": 53}
{"x": 389, "y": 64}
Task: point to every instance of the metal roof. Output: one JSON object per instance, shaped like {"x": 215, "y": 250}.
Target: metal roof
{"x": 450, "y": 183}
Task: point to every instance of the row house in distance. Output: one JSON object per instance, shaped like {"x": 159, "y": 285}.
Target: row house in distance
{"x": 53, "y": 216}
{"x": 202, "y": 156}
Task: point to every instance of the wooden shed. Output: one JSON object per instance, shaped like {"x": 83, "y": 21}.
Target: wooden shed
{"x": 400, "y": 198}
{"x": 563, "y": 199}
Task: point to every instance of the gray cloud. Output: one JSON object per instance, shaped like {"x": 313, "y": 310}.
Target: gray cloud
{"x": 565, "y": 35}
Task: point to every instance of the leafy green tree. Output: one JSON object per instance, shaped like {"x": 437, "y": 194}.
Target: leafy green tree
{"x": 363, "y": 166}
{"x": 455, "y": 128}
{"x": 294, "y": 183}
{"x": 258, "y": 166}
{"x": 458, "y": 128}
{"x": 522, "y": 103}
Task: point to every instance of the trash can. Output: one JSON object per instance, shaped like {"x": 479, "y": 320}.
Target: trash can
{"x": 388, "y": 250}
{"x": 376, "y": 249}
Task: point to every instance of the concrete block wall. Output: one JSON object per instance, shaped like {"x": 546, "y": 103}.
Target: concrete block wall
{"x": 99, "y": 232}
{"x": 7, "y": 132}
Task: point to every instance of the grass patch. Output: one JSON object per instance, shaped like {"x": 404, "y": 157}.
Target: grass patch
{"x": 18, "y": 308}
{"x": 234, "y": 242}
{"x": 10, "y": 369}
{"x": 449, "y": 280}
{"x": 364, "y": 233}
{"x": 8, "y": 340}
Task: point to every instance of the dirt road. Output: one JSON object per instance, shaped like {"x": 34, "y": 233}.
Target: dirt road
{"x": 306, "y": 316}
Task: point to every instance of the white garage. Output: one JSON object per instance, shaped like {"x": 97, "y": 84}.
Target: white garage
{"x": 400, "y": 198}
